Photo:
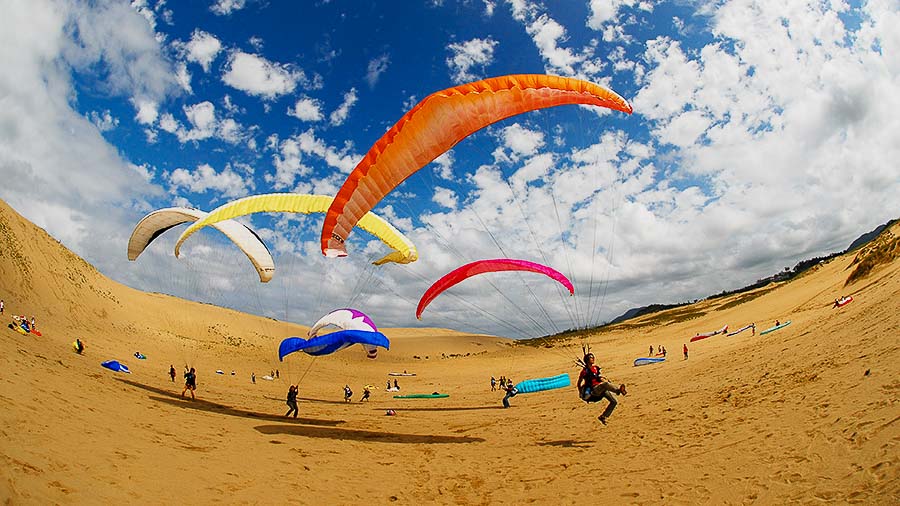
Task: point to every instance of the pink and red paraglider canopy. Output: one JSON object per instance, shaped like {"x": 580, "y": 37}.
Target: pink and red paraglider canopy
{"x": 483, "y": 266}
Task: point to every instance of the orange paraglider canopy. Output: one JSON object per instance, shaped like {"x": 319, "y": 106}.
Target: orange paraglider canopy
{"x": 438, "y": 123}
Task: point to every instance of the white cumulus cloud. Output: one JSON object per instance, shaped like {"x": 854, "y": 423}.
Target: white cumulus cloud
{"x": 258, "y": 76}
{"x": 466, "y": 56}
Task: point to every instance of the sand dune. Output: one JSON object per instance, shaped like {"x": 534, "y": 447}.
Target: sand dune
{"x": 807, "y": 414}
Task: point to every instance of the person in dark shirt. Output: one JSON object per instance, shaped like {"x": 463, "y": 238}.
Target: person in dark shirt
{"x": 348, "y": 394}
{"x": 511, "y": 392}
{"x": 292, "y": 401}
{"x": 190, "y": 382}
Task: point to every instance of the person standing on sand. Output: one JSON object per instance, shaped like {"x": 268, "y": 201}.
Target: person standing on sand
{"x": 396, "y": 385}
{"x": 511, "y": 392}
{"x": 685, "y": 351}
{"x": 172, "y": 372}
{"x": 493, "y": 384}
{"x": 651, "y": 350}
{"x": 593, "y": 387}
{"x": 292, "y": 401}
{"x": 190, "y": 382}
{"x": 1, "y": 306}
{"x": 348, "y": 394}
{"x": 753, "y": 328}
{"x": 253, "y": 377}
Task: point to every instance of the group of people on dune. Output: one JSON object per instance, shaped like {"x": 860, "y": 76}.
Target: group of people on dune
{"x": 21, "y": 321}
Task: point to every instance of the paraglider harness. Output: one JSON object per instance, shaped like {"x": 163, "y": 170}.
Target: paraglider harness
{"x": 593, "y": 378}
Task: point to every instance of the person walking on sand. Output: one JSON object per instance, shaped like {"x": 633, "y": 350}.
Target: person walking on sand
{"x": 685, "y": 350}
{"x": 388, "y": 386}
{"x": 593, "y": 387}
{"x": 190, "y": 382}
{"x": 493, "y": 384}
{"x": 511, "y": 392}
{"x": 172, "y": 372}
{"x": 366, "y": 393}
{"x": 396, "y": 386}
{"x": 292, "y": 401}
{"x": 348, "y": 394}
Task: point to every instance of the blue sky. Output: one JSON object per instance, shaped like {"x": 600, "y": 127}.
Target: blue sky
{"x": 763, "y": 133}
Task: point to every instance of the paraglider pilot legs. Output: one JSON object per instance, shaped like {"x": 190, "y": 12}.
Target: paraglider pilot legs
{"x": 612, "y": 404}
{"x": 605, "y": 391}
{"x": 506, "y": 399}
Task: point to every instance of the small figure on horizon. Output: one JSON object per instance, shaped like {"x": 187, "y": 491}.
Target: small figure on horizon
{"x": 685, "y": 351}
{"x": 190, "y": 382}
{"x": 292, "y": 401}
{"x": 172, "y": 372}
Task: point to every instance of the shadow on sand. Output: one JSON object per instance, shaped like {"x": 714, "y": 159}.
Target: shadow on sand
{"x": 309, "y": 399}
{"x": 566, "y": 443}
{"x": 461, "y": 408}
{"x": 174, "y": 399}
{"x": 364, "y": 435}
